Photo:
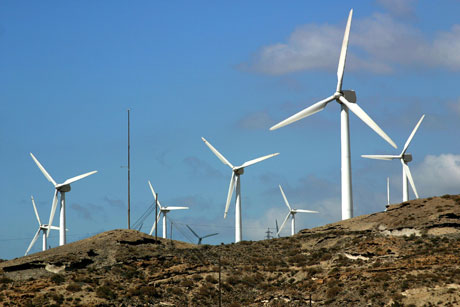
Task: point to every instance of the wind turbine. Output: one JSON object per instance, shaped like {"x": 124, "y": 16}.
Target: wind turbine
{"x": 235, "y": 183}
{"x": 163, "y": 210}
{"x": 62, "y": 188}
{"x": 404, "y": 158}
{"x": 198, "y": 237}
{"x": 347, "y": 101}
{"x": 41, "y": 228}
{"x": 292, "y": 213}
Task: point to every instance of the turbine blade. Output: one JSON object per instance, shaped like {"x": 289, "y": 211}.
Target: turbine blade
{"x": 36, "y": 212}
{"x": 409, "y": 176}
{"x": 76, "y": 178}
{"x": 175, "y": 208}
{"x": 155, "y": 223}
{"x": 48, "y": 176}
{"x": 193, "y": 231}
{"x": 32, "y": 242}
{"x": 55, "y": 228}
{"x": 412, "y": 135}
{"x": 285, "y": 199}
{"x": 53, "y": 210}
{"x": 315, "y": 108}
{"x": 154, "y": 194}
{"x": 254, "y": 161}
{"x": 343, "y": 53}
{"x": 355, "y": 108}
{"x": 381, "y": 157}
{"x": 230, "y": 193}
{"x": 285, "y": 220}
{"x": 218, "y": 154}
{"x": 207, "y": 236}
{"x": 304, "y": 211}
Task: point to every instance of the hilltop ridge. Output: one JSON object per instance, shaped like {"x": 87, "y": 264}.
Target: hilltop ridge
{"x": 406, "y": 255}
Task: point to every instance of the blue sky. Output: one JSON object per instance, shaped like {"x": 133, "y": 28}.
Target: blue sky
{"x": 227, "y": 72}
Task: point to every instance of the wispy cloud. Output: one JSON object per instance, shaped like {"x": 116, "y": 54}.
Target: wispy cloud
{"x": 260, "y": 120}
{"x": 400, "y": 8}
{"x": 202, "y": 168}
{"x": 379, "y": 43}
{"x": 86, "y": 212}
{"x": 438, "y": 175}
{"x": 117, "y": 203}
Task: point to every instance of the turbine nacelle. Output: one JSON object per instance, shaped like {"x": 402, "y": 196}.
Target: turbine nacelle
{"x": 407, "y": 157}
{"x": 238, "y": 171}
{"x": 349, "y": 95}
{"x": 63, "y": 188}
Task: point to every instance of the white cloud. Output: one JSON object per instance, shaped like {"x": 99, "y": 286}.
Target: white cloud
{"x": 378, "y": 43}
{"x": 455, "y": 106}
{"x": 329, "y": 211}
{"x": 438, "y": 175}
{"x": 256, "y": 121}
{"x": 402, "y": 8}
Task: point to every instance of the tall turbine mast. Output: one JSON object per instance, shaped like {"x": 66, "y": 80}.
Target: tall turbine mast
{"x": 404, "y": 158}
{"x": 129, "y": 176}
{"x": 235, "y": 184}
{"x": 60, "y": 188}
{"x": 347, "y": 101}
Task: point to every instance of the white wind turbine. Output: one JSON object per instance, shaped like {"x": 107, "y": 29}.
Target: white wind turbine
{"x": 404, "y": 158}
{"x": 347, "y": 100}
{"x": 292, "y": 213}
{"x": 62, "y": 188}
{"x": 198, "y": 237}
{"x": 41, "y": 228}
{"x": 163, "y": 210}
{"x": 235, "y": 183}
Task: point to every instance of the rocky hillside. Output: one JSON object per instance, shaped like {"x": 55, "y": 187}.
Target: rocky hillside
{"x": 407, "y": 256}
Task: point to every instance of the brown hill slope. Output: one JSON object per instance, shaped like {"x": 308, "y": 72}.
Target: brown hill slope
{"x": 407, "y": 255}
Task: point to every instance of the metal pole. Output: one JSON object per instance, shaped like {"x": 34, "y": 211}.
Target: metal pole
{"x": 220, "y": 289}
{"x": 129, "y": 177}
{"x": 156, "y": 216}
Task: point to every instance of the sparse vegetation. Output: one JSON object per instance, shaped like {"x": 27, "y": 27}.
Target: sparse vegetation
{"x": 339, "y": 265}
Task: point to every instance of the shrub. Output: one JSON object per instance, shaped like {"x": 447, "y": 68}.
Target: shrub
{"x": 105, "y": 292}
{"x": 73, "y": 287}
{"x": 211, "y": 279}
{"x": 5, "y": 280}
{"x": 332, "y": 292}
{"x": 57, "y": 279}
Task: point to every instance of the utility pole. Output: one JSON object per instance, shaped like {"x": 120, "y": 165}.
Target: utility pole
{"x": 268, "y": 232}
{"x": 129, "y": 177}
{"x": 156, "y": 217}
{"x": 220, "y": 288}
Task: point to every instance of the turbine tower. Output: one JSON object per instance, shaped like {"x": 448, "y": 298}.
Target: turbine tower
{"x": 388, "y": 194}
{"x": 292, "y": 213}
{"x": 198, "y": 237}
{"x": 347, "y": 100}
{"x": 62, "y": 188}
{"x": 404, "y": 158}
{"x": 41, "y": 228}
{"x": 235, "y": 183}
{"x": 164, "y": 211}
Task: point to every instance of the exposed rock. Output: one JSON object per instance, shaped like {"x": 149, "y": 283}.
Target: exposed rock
{"x": 406, "y": 255}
